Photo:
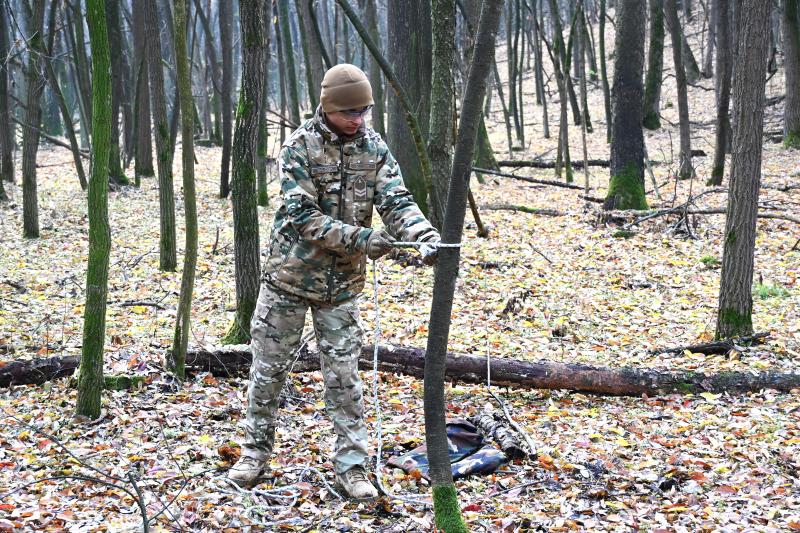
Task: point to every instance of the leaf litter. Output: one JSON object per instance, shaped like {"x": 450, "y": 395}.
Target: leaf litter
{"x": 677, "y": 463}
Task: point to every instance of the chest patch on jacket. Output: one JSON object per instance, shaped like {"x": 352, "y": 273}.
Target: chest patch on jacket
{"x": 366, "y": 165}
{"x": 360, "y": 189}
{"x": 324, "y": 169}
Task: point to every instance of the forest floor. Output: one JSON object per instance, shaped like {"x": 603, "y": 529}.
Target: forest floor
{"x": 572, "y": 292}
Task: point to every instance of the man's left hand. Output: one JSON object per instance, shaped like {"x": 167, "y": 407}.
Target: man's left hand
{"x": 429, "y": 252}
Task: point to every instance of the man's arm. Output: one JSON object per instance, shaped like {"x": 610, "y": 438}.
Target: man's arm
{"x": 304, "y": 213}
{"x": 396, "y": 205}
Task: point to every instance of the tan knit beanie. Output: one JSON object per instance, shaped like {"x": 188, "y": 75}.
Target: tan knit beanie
{"x": 345, "y": 86}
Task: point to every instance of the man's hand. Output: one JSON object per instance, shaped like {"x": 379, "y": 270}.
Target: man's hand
{"x": 379, "y": 244}
{"x": 429, "y": 252}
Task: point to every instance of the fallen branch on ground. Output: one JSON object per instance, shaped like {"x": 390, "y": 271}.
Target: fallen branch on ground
{"x": 529, "y": 180}
{"x": 538, "y": 163}
{"x": 715, "y": 347}
{"x": 524, "y": 209}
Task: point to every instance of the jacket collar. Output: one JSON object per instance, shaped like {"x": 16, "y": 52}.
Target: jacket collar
{"x": 321, "y": 125}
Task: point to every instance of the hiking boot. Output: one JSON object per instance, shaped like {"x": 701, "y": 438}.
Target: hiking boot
{"x": 356, "y": 484}
{"x": 247, "y": 471}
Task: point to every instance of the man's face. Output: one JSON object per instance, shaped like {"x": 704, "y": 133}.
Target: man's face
{"x": 347, "y": 122}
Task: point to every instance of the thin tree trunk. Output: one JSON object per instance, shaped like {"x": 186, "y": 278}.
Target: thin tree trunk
{"x": 263, "y": 132}
{"x": 318, "y": 35}
{"x": 626, "y": 184}
{"x": 724, "y": 71}
{"x": 90, "y": 382}
{"x": 226, "y": 98}
{"x": 33, "y": 117}
{"x": 603, "y": 73}
{"x": 215, "y": 68}
{"x": 166, "y": 194}
{"x": 582, "y": 81}
{"x": 442, "y": 101}
{"x": 288, "y": 52}
{"x": 655, "y": 63}
{"x": 311, "y": 55}
{"x": 144, "y": 144}
{"x": 708, "y": 62}
{"x": 281, "y": 67}
{"x": 115, "y": 173}
{"x": 180, "y": 342}
{"x": 686, "y": 171}
{"x": 82, "y": 66}
{"x": 734, "y": 316}
{"x": 791, "y": 48}
{"x": 446, "y": 508}
{"x": 558, "y": 52}
{"x": 243, "y": 191}
{"x": 6, "y": 125}
{"x": 375, "y": 74}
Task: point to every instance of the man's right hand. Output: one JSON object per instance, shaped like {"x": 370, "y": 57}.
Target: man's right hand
{"x": 379, "y": 244}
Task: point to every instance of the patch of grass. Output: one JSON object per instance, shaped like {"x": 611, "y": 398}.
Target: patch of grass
{"x": 623, "y": 234}
{"x": 770, "y": 290}
{"x": 710, "y": 261}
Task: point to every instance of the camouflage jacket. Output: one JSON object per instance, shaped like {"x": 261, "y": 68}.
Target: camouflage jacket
{"x": 329, "y": 184}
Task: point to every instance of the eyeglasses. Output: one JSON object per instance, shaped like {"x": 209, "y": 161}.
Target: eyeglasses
{"x": 356, "y": 113}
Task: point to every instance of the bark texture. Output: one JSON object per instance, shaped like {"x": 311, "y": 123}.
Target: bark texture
{"x": 626, "y": 184}
{"x": 724, "y": 71}
{"x": 409, "y": 53}
{"x": 734, "y": 314}
{"x": 183, "y": 321}
{"x": 447, "y": 512}
{"x": 655, "y": 63}
{"x": 291, "y": 71}
{"x": 679, "y": 61}
{"x": 226, "y": 98}
{"x": 90, "y": 382}
{"x": 243, "y": 191}
{"x": 375, "y": 75}
{"x": 158, "y": 103}
{"x": 791, "y": 52}
{"x": 6, "y": 127}
{"x": 143, "y": 151}
{"x": 33, "y": 117}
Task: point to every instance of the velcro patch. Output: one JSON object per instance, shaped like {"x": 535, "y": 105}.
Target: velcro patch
{"x": 324, "y": 169}
{"x": 363, "y": 165}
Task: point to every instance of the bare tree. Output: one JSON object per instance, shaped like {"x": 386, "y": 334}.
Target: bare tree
{"x": 724, "y": 72}
{"x": 686, "y": 171}
{"x": 734, "y": 314}
{"x": 791, "y": 47}
{"x": 226, "y": 98}
{"x": 6, "y": 125}
{"x": 655, "y": 62}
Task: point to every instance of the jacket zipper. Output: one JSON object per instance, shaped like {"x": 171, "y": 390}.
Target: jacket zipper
{"x": 342, "y": 183}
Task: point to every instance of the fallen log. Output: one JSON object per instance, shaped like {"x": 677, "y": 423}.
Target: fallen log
{"x": 624, "y": 381}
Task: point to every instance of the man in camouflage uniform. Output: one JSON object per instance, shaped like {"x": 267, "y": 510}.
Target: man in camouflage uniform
{"x": 334, "y": 169}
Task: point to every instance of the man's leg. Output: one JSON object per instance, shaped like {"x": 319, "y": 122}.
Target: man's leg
{"x": 276, "y": 328}
{"x": 339, "y": 336}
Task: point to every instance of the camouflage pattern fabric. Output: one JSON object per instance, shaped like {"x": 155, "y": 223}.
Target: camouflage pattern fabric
{"x": 276, "y": 329}
{"x": 469, "y": 454}
{"x": 329, "y": 185}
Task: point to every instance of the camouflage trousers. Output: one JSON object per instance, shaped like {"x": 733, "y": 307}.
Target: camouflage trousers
{"x": 276, "y": 330}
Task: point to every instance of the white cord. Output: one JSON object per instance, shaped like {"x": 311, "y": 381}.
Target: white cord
{"x": 436, "y": 244}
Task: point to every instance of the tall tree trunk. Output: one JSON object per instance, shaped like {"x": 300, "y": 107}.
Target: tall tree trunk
{"x": 6, "y": 124}
{"x": 215, "y": 68}
{"x": 317, "y": 34}
{"x": 561, "y": 71}
{"x": 655, "y": 62}
{"x": 166, "y": 194}
{"x": 375, "y": 74}
{"x": 446, "y": 508}
{"x": 314, "y": 65}
{"x": 734, "y": 315}
{"x": 686, "y": 171}
{"x": 708, "y": 61}
{"x": 282, "y": 82}
{"x": 440, "y": 140}
{"x": 144, "y": 144}
{"x": 245, "y": 211}
{"x": 724, "y": 71}
{"x": 603, "y": 72}
{"x": 626, "y": 184}
{"x": 90, "y": 382}
{"x": 82, "y": 67}
{"x": 791, "y": 51}
{"x": 288, "y": 52}
{"x": 226, "y": 98}
{"x": 263, "y": 132}
{"x": 409, "y": 53}
{"x": 33, "y": 117}
{"x": 115, "y": 173}
{"x": 177, "y": 356}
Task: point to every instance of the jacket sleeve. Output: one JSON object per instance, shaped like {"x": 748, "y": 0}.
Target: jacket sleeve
{"x": 304, "y": 213}
{"x": 396, "y": 205}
